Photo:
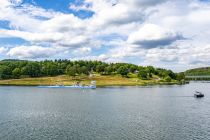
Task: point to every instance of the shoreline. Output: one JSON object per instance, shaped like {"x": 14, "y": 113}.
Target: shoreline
{"x": 98, "y": 86}
{"x": 101, "y": 81}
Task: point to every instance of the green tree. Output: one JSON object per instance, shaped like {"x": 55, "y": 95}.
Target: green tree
{"x": 133, "y": 68}
{"x": 171, "y": 74}
{"x": 150, "y": 70}
{"x": 33, "y": 69}
{"x": 100, "y": 68}
{"x": 167, "y": 79}
{"x": 162, "y": 73}
{"x": 109, "y": 70}
{"x": 5, "y": 72}
{"x": 84, "y": 70}
{"x": 16, "y": 73}
{"x": 23, "y": 71}
{"x": 50, "y": 69}
{"x": 180, "y": 76}
{"x": 123, "y": 71}
{"x": 71, "y": 70}
{"x": 142, "y": 74}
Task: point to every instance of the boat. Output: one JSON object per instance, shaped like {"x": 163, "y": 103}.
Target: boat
{"x": 198, "y": 94}
{"x": 76, "y": 86}
{"x": 73, "y": 86}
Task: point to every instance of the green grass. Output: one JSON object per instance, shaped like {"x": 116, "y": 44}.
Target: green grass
{"x": 114, "y": 80}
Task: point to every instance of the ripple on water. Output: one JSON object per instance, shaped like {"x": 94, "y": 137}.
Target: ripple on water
{"x": 105, "y": 113}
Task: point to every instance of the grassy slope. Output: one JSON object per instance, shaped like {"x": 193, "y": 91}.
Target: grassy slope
{"x": 66, "y": 80}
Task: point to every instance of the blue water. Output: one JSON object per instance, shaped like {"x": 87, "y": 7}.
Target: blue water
{"x": 156, "y": 113}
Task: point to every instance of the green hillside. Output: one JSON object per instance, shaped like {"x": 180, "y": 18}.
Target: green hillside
{"x": 198, "y": 71}
{"x": 66, "y": 72}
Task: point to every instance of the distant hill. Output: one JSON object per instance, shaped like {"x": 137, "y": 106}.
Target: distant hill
{"x": 198, "y": 71}
{"x": 11, "y": 60}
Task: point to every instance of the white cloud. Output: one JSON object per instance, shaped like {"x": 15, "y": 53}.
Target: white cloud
{"x": 3, "y": 50}
{"x": 63, "y": 23}
{"x": 101, "y": 57}
{"x": 201, "y": 16}
{"x": 107, "y": 14}
{"x": 33, "y": 52}
{"x": 143, "y": 27}
{"x": 184, "y": 57}
{"x": 85, "y": 6}
{"x": 152, "y": 36}
{"x": 143, "y": 3}
{"x": 82, "y": 51}
{"x": 34, "y": 37}
{"x": 17, "y": 18}
{"x": 35, "y": 11}
{"x": 16, "y": 2}
{"x": 165, "y": 55}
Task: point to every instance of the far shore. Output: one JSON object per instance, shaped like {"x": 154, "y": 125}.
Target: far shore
{"x": 102, "y": 81}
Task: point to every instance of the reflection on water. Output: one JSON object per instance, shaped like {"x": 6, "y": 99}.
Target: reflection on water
{"x": 157, "y": 112}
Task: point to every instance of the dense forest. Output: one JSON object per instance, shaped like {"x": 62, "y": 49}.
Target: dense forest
{"x": 14, "y": 69}
{"x": 198, "y": 72}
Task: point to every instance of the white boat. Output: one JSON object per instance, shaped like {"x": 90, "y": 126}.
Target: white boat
{"x": 77, "y": 86}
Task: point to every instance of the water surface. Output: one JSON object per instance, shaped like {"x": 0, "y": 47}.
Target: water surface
{"x": 156, "y": 112}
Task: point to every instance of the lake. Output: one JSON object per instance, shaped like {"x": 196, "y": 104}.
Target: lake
{"x": 152, "y": 112}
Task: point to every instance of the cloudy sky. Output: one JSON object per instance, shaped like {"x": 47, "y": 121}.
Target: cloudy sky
{"x": 173, "y": 34}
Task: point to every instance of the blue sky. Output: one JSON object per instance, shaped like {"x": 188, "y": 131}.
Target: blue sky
{"x": 171, "y": 34}
{"x": 60, "y": 5}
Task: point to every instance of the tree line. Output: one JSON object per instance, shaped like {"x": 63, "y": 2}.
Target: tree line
{"x": 198, "y": 72}
{"x": 14, "y": 69}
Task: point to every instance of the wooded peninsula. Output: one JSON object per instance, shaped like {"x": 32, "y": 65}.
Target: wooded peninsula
{"x": 67, "y": 72}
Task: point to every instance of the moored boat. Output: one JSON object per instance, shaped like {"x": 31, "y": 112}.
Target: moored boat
{"x": 198, "y": 95}
{"x": 76, "y": 86}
